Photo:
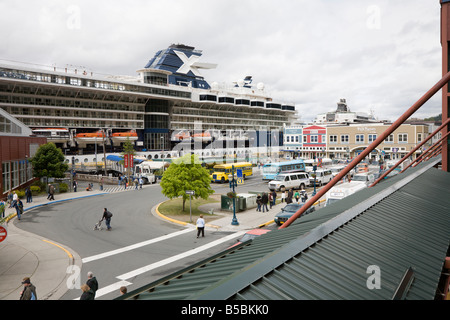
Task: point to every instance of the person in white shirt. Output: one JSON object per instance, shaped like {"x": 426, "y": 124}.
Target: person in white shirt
{"x": 200, "y": 226}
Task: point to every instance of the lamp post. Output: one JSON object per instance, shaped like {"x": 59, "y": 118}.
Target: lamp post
{"x": 162, "y": 147}
{"x": 314, "y": 170}
{"x": 234, "y": 222}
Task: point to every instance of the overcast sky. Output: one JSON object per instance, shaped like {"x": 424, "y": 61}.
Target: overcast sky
{"x": 380, "y": 55}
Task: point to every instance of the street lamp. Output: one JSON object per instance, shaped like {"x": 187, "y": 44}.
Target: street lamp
{"x": 314, "y": 170}
{"x": 234, "y": 222}
{"x": 162, "y": 147}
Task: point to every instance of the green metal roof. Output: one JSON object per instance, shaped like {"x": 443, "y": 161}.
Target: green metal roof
{"x": 400, "y": 224}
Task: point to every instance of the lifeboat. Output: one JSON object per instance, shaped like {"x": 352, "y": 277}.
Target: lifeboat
{"x": 203, "y": 136}
{"x": 182, "y": 135}
{"x": 56, "y": 135}
{"x": 89, "y": 137}
{"x": 120, "y": 137}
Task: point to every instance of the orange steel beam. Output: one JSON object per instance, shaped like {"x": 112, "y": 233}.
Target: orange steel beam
{"x": 425, "y": 154}
{"x": 373, "y": 145}
{"x": 411, "y": 152}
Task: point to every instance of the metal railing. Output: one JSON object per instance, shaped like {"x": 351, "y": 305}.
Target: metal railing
{"x": 430, "y": 93}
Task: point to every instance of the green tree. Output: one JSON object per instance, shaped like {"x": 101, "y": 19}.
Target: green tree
{"x": 49, "y": 162}
{"x": 186, "y": 173}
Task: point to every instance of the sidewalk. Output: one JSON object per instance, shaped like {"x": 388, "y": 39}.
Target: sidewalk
{"x": 23, "y": 254}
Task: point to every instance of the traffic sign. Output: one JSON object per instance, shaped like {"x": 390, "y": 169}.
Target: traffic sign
{"x": 3, "y": 233}
{"x": 240, "y": 180}
{"x": 239, "y": 173}
{"x": 190, "y": 192}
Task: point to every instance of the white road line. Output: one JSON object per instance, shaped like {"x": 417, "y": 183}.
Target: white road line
{"x": 161, "y": 263}
{"x": 135, "y": 246}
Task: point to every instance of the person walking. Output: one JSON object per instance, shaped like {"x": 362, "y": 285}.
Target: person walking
{"x": 2, "y": 208}
{"x": 265, "y": 200}
{"x": 29, "y": 290}
{"x": 51, "y": 192}
{"x": 296, "y": 196}
{"x": 274, "y": 198}
{"x": 92, "y": 282}
{"x": 19, "y": 208}
{"x": 107, "y": 217}
{"x": 258, "y": 202}
{"x": 283, "y": 196}
{"x": 200, "y": 226}
{"x": 29, "y": 195}
{"x": 270, "y": 200}
{"x": 87, "y": 294}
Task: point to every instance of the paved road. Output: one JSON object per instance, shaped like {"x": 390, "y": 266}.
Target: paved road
{"x": 140, "y": 249}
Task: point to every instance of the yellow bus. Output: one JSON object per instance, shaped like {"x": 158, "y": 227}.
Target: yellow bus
{"x": 221, "y": 171}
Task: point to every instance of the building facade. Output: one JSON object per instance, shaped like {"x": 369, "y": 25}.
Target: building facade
{"x": 349, "y": 140}
{"x": 17, "y": 147}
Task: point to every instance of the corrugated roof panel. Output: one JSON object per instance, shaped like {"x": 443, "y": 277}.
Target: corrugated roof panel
{"x": 405, "y": 225}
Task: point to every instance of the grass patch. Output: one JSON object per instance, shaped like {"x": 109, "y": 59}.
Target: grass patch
{"x": 173, "y": 208}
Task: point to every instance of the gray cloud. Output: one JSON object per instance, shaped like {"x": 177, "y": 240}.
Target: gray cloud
{"x": 380, "y": 55}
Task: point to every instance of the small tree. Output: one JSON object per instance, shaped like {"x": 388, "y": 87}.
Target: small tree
{"x": 186, "y": 173}
{"x": 49, "y": 162}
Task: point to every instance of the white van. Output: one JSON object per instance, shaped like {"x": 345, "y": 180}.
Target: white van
{"x": 323, "y": 176}
{"x": 366, "y": 178}
{"x": 343, "y": 190}
{"x": 285, "y": 181}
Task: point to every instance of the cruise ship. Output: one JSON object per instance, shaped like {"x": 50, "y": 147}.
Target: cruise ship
{"x": 168, "y": 98}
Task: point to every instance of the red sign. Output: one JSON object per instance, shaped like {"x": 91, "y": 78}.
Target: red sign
{"x": 128, "y": 161}
{"x": 3, "y": 233}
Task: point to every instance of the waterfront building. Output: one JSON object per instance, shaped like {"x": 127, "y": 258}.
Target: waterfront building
{"x": 346, "y": 141}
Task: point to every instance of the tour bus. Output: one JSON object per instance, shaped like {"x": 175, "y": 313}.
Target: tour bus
{"x": 271, "y": 170}
{"x": 320, "y": 162}
{"x": 221, "y": 171}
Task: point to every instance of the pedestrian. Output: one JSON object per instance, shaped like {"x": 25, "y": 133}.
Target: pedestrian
{"x": 274, "y": 198}
{"x": 2, "y": 208}
{"x": 264, "y": 201}
{"x": 51, "y": 192}
{"x": 29, "y": 195}
{"x": 258, "y": 202}
{"x": 101, "y": 184}
{"x": 200, "y": 226}
{"x": 136, "y": 183}
{"x": 9, "y": 199}
{"x": 283, "y": 196}
{"x": 304, "y": 196}
{"x": 75, "y": 185}
{"x": 107, "y": 217}
{"x": 92, "y": 282}
{"x": 29, "y": 290}
{"x": 290, "y": 195}
{"x": 19, "y": 208}
{"x": 87, "y": 294}
{"x": 141, "y": 182}
{"x": 270, "y": 200}
{"x": 296, "y": 196}
{"x": 15, "y": 197}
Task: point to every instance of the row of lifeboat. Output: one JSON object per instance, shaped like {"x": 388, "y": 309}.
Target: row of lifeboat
{"x": 63, "y": 135}
{"x": 207, "y": 136}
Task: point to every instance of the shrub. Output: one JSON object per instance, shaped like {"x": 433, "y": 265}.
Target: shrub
{"x": 35, "y": 190}
{"x": 63, "y": 187}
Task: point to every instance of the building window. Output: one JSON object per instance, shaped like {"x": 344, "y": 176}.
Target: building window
{"x": 419, "y": 137}
{"x": 359, "y": 138}
{"x": 6, "y": 176}
{"x": 403, "y": 138}
{"x": 372, "y": 137}
{"x": 314, "y": 139}
{"x": 344, "y": 138}
{"x": 333, "y": 139}
{"x": 305, "y": 139}
{"x": 389, "y": 139}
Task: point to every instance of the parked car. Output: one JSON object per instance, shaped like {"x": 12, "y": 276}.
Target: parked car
{"x": 288, "y": 211}
{"x": 298, "y": 180}
{"x": 322, "y": 177}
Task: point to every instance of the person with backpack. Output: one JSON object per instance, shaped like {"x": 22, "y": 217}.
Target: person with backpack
{"x": 107, "y": 217}
{"x": 29, "y": 290}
